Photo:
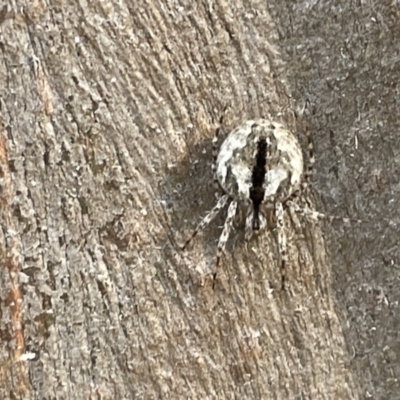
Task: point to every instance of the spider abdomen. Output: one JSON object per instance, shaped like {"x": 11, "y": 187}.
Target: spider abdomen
{"x": 258, "y": 161}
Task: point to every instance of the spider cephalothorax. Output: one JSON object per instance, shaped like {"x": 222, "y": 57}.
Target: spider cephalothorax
{"x": 259, "y": 164}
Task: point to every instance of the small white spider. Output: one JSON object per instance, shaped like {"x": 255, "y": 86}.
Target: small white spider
{"x": 260, "y": 164}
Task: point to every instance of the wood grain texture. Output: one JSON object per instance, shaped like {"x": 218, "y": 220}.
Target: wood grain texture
{"x": 343, "y": 56}
{"x": 108, "y": 111}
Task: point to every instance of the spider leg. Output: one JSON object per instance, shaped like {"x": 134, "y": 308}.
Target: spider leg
{"x": 215, "y": 154}
{"x": 311, "y": 159}
{"x": 306, "y": 211}
{"x": 249, "y": 223}
{"x": 310, "y": 146}
{"x": 317, "y": 215}
{"x": 305, "y": 181}
{"x": 281, "y": 239}
{"x": 208, "y": 218}
{"x": 225, "y": 233}
{"x": 294, "y": 218}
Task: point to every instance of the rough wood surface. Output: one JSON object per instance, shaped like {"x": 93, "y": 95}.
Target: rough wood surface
{"x": 343, "y": 56}
{"x": 108, "y": 110}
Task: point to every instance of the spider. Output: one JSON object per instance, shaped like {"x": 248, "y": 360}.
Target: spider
{"x": 259, "y": 164}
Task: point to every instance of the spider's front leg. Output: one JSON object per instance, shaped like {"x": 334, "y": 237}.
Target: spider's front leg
{"x": 281, "y": 240}
{"x": 225, "y": 233}
{"x": 208, "y": 218}
{"x": 317, "y": 216}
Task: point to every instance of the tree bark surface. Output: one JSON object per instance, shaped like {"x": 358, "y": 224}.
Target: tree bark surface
{"x": 108, "y": 110}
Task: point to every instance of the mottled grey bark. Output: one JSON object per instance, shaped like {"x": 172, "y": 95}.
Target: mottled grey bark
{"x": 108, "y": 110}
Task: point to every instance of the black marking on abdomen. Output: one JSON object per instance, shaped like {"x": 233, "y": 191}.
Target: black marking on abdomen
{"x": 257, "y": 181}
